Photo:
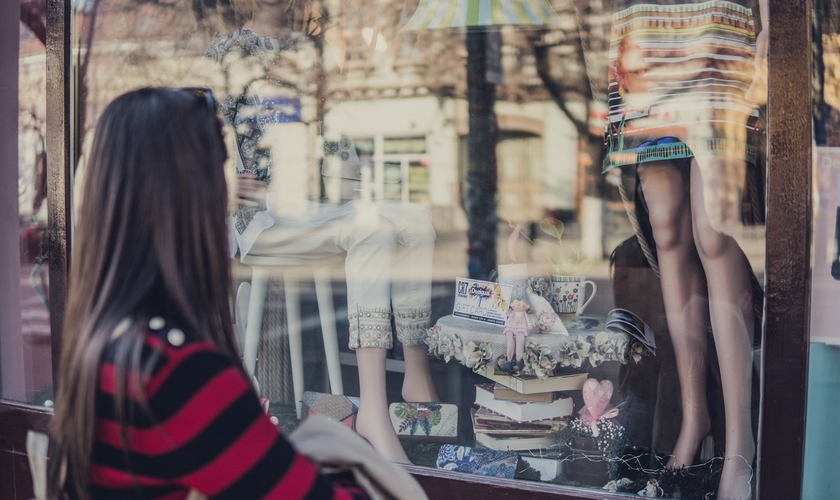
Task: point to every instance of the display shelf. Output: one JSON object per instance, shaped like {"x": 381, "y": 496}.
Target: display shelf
{"x": 475, "y": 344}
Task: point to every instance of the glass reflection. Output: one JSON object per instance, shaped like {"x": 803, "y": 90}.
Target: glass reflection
{"x": 408, "y": 139}
{"x": 25, "y": 344}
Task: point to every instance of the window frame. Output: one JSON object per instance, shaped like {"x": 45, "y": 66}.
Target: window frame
{"x": 788, "y": 249}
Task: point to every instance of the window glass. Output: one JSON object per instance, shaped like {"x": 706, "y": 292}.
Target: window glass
{"x": 555, "y": 207}
{"x": 24, "y": 311}
{"x": 821, "y": 444}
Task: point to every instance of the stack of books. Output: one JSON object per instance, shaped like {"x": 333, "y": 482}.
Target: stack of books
{"x": 510, "y": 420}
{"x": 525, "y": 414}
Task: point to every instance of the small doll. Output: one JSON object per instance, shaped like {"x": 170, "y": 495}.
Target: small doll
{"x": 517, "y": 326}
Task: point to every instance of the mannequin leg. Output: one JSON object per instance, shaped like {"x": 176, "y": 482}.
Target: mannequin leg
{"x": 411, "y": 294}
{"x": 665, "y": 186}
{"x": 372, "y": 421}
{"x": 370, "y": 251}
{"x": 417, "y": 384}
{"x": 731, "y": 310}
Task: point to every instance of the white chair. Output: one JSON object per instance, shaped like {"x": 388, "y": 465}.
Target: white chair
{"x": 290, "y": 267}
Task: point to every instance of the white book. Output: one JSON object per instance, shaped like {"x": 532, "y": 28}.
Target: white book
{"x": 522, "y": 411}
{"x": 533, "y": 385}
{"x": 515, "y": 443}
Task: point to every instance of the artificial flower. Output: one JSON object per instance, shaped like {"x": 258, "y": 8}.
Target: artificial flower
{"x": 477, "y": 355}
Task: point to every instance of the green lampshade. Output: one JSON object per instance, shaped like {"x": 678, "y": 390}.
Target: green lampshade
{"x": 444, "y": 14}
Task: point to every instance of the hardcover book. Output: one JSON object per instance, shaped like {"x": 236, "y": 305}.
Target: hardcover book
{"x": 508, "y": 394}
{"x": 622, "y": 320}
{"x": 487, "y": 422}
{"x": 515, "y": 443}
{"x": 533, "y": 385}
{"x": 521, "y": 411}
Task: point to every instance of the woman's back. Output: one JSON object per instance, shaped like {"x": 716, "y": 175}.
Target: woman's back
{"x": 145, "y": 410}
{"x": 201, "y": 428}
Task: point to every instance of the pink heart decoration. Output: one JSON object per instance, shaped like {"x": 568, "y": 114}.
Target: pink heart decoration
{"x": 596, "y": 397}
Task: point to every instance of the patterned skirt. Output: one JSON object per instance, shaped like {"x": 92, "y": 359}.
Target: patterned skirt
{"x": 678, "y": 79}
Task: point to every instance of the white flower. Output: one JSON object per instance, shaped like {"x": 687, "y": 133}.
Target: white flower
{"x": 603, "y": 349}
{"x": 477, "y": 355}
{"x": 539, "y": 361}
{"x": 432, "y": 340}
{"x": 638, "y": 351}
{"x": 445, "y": 348}
{"x": 457, "y": 348}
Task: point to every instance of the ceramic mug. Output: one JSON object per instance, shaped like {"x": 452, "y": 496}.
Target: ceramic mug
{"x": 570, "y": 291}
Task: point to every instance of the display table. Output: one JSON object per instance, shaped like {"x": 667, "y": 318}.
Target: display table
{"x": 476, "y": 344}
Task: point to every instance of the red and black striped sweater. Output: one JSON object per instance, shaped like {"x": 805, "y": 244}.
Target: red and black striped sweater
{"x": 205, "y": 431}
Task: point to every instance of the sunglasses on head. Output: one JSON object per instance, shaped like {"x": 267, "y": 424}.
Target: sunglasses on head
{"x": 202, "y": 93}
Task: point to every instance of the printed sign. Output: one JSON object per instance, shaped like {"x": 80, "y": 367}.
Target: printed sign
{"x": 483, "y": 301}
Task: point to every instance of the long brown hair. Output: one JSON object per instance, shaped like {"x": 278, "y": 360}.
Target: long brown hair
{"x": 150, "y": 241}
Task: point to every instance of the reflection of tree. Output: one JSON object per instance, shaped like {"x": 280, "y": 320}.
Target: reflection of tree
{"x": 131, "y": 43}
{"x": 31, "y": 107}
{"x": 31, "y": 118}
{"x": 482, "y": 169}
{"x": 571, "y": 63}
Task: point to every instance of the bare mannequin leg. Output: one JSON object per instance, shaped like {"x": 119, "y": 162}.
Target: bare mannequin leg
{"x": 372, "y": 421}
{"x": 665, "y": 186}
{"x": 417, "y": 384}
{"x": 731, "y": 309}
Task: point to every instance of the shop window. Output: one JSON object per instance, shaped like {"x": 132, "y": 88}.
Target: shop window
{"x": 25, "y": 353}
{"x": 498, "y": 199}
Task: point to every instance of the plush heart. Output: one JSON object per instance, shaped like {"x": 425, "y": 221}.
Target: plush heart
{"x": 596, "y": 396}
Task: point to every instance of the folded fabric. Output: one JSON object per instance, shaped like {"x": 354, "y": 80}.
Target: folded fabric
{"x": 331, "y": 445}
{"x": 436, "y": 422}
{"x": 336, "y": 407}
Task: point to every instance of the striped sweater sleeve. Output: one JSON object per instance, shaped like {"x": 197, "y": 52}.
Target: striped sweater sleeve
{"x": 205, "y": 430}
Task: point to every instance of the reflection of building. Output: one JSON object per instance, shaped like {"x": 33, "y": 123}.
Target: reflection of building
{"x": 415, "y": 146}
{"x": 397, "y": 86}
{"x": 399, "y": 96}
{"x": 32, "y": 122}
{"x": 29, "y": 350}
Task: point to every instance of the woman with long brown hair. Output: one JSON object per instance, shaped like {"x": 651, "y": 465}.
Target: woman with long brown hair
{"x": 153, "y": 401}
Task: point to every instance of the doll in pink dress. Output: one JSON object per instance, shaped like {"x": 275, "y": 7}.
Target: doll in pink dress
{"x": 517, "y": 327}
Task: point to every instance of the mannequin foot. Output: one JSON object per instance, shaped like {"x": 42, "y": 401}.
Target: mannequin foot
{"x": 377, "y": 429}
{"x": 691, "y": 435}
{"x": 736, "y": 477}
{"x": 417, "y": 384}
{"x": 735, "y": 480}
{"x": 419, "y": 394}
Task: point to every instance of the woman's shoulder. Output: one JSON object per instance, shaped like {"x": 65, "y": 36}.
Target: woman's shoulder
{"x": 167, "y": 352}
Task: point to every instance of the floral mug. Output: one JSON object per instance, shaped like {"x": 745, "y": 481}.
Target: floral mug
{"x": 570, "y": 291}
